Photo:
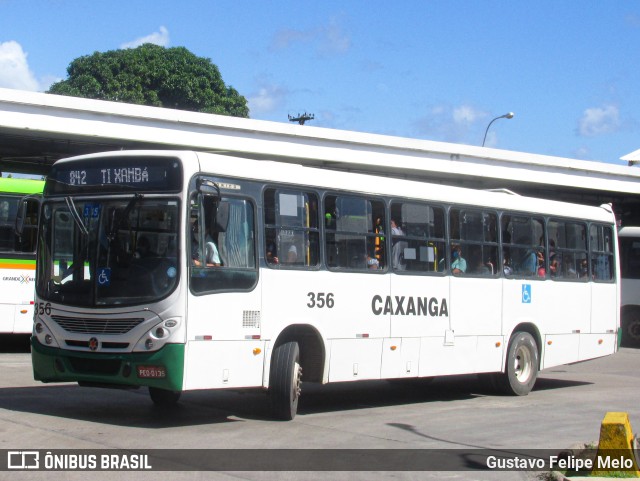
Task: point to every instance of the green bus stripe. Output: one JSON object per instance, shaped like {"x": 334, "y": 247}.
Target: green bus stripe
{"x": 20, "y": 186}
{"x": 27, "y": 262}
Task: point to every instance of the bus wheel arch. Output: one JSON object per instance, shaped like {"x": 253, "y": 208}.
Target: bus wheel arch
{"x": 312, "y": 349}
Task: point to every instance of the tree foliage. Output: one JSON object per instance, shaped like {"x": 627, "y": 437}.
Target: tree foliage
{"x": 153, "y": 75}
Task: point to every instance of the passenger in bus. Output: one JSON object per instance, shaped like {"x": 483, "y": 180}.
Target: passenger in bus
{"x": 397, "y": 251}
{"x": 292, "y": 255}
{"x": 542, "y": 270}
{"x": 271, "y": 256}
{"x": 506, "y": 265}
{"x": 458, "y": 263}
{"x": 373, "y": 263}
{"x": 211, "y": 253}
{"x": 212, "y": 257}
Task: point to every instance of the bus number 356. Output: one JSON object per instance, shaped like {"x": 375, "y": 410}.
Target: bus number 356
{"x": 320, "y": 300}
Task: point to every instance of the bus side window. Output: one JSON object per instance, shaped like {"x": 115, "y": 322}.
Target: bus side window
{"x": 355, "y": 233}
{"x": 601, "y": 252}
{"x": 474, "y": 242}
{"x": 292, "y": 235}
{"x": 523, "y": 249}
{"x": 417, "y": 237}
{"x": 568, "y": 250}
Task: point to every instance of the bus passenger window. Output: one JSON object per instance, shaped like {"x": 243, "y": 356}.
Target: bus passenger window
{"x": 474, "y": 242}
{"x": 355, "y": 233}
{"x": 417, "y": 237}
{"x": 523, "y": 250}
{"x": 292, "y": 236}
{"x": 601, "y": 253}
{"x": 568, "y": 250}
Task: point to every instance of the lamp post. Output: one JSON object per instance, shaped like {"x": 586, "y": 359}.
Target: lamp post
{"x": 508, "y": 115}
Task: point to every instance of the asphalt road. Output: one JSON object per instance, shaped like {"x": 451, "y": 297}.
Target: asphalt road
{"x": 565, "y": 408}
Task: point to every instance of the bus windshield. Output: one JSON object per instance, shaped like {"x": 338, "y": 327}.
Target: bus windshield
{"x": 108, "y": 252}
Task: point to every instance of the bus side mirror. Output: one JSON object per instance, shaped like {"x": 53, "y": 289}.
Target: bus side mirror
{"x": 22, "y": 213}
{"x": 221, "y": 217}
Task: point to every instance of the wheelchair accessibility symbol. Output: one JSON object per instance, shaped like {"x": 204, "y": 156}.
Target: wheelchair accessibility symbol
{"x": 526, "y": 293}
{"x": 104, "y": 277}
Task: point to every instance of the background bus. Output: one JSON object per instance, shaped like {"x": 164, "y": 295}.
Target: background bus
{"x": 17, "y": 253}
{"x": 630, "y": 304}
{"x": 182, "y": 271}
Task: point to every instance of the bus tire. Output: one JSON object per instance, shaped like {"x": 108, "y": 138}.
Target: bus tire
{"x": 285, "y": 380}
{"x": 522, "y": 365}
{"x": 631, "y": 329}
{"x": 164, "y": 397}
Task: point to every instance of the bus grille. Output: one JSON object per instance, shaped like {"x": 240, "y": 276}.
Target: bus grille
{"x": 97, "y": 326}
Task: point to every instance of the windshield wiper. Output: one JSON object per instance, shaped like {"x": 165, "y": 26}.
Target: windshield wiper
{"x": 124, "y": 216}
{"x": 76, "y": 215}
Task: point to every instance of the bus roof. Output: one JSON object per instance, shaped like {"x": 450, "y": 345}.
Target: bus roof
{"x": 9, "y": 185}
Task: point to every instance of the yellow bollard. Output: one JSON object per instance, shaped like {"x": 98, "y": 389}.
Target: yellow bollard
{"x": 616, "y": 447}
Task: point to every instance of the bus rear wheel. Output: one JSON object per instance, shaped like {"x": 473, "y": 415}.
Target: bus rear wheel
{"x": 522, "y": 365}
{"x": 285, "y": 381}
{"x": 631, "y": 329}
{"x": 164, "y": 397}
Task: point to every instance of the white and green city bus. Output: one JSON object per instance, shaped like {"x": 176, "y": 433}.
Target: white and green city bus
{"x": 184, "y": 271}
{"x": 18, "y": 253}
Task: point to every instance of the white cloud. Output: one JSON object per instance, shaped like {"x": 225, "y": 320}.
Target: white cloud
{"x": 267, "y": 99}
{"x": 599, "y": 120}
{"x": 14, "y": 68}
{"x": 328, "y": 39}
{"x": 161, "y": 37}
{"x": 461, "y": 123}
{"x": 466, "y": 115}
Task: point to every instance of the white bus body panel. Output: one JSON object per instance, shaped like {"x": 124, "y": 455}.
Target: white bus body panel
{"x": 222, "y": 337}
{"x": 604, "y": 299}
{"x": 16, "y": 301}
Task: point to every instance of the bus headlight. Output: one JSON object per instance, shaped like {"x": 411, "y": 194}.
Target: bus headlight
{"x": 42, "y": 333}
{"x": 157, "y": 336}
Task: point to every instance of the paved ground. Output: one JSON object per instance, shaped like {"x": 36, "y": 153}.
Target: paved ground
{"x": 565, "y": 408}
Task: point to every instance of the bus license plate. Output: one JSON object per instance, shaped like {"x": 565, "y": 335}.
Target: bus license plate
{"x": 151, "y": 372}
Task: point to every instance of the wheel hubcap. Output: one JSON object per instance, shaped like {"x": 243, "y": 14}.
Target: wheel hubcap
{"x": 634, "y": 329}
{"x": 522, "y": 364}
{"x": 297, "y": 381}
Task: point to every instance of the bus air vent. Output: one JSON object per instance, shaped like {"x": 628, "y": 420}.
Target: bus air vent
{"x": 85, "y": 325}
{"x": 251, "y": 319}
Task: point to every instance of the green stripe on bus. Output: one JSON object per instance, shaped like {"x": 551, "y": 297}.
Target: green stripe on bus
{"x": 28, "y": 262}
{"x": 21, "y": 186}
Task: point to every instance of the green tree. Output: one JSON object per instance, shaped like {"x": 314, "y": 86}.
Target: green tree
{"x": 153, "y": 75}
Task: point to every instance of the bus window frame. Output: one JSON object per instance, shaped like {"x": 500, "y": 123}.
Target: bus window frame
{"x": 383, "y": 201}
{"x": 291, "y": 189}
{"x": 247, "y": 195}
{"x": 497, "y": 243}
{"x": 570, "y": 220}
{"x": 444, "y": 208}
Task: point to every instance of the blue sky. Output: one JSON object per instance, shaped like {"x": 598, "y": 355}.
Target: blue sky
{"x": 436, "y": 70}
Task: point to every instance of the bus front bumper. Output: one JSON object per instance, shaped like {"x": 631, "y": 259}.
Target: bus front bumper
{"x": 162, "y": 369}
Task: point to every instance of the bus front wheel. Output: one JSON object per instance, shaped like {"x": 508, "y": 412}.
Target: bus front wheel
{"x": 164, "y": 397}
{"x": 522, "y": 365}
{"x": 285, "y": 380}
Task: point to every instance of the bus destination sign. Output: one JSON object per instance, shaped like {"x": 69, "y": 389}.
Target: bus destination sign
{"x": 141, "y": 174}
